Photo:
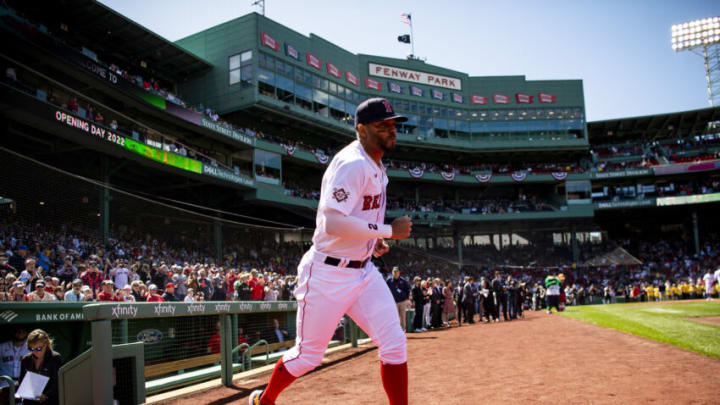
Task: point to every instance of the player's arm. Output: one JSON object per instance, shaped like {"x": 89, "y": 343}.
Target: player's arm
{"x": 339, "y": 224}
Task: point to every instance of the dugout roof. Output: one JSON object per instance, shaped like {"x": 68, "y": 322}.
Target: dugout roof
{"x": 653, "y": 127}
{"x": 113, "y": 34}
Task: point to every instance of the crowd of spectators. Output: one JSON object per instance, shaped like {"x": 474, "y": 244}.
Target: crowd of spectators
{"x": 495, "y": 168}
{"x": 39, "y": 264}
{"x": 523, "y": 203}
{"x": 110, "y": 119}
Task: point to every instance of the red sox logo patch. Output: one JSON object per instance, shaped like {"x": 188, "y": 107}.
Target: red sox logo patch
{"x": 340, "y": 195}
{"x": 388, "y": 108}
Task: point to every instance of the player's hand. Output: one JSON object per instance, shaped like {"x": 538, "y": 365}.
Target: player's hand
{"x": 401, "y": 227}
{"x": 381, "y": 247}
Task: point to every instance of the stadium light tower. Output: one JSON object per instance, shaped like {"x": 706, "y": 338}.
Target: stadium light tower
{"x": 702, "y": 37}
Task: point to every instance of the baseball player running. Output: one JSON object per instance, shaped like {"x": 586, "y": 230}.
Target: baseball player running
{"x": 335, "y": 276}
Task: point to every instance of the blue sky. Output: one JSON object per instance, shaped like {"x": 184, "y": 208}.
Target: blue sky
{"x": 620, "y": 49}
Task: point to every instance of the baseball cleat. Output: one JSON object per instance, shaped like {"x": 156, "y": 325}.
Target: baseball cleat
{"x": 255, "y": 398}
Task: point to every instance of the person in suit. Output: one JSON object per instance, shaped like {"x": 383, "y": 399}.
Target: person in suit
{"x": 418, "y": 299}
{"x": 469, "y": 295}
{"x": 437, "y": 304}
{"x": 511, "y": 297}
{"x": 487, "y": 300}
{"x": 458, "y": 296}
{"x": 498, "y": 291}
{"x": 44, "y": 361}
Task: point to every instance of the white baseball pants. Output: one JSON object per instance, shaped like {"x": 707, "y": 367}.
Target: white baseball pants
{"x": 324, "y": 294}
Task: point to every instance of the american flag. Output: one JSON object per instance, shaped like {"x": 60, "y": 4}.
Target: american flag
{"x": 405, "y": 17}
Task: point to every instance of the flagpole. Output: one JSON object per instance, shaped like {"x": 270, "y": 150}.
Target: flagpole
{"x": 412, "y": 37}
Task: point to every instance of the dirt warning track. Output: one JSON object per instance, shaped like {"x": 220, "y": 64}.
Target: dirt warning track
{"x": 540, "y": 359}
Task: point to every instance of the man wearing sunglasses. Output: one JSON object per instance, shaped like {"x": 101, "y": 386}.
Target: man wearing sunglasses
{"x": 336, "y": 276}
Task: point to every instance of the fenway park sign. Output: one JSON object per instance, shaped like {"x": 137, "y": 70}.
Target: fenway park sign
{"x": 414, "y": 76}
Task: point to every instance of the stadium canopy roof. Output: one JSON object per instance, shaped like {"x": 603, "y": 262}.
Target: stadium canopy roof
{"x": 654, "y": 127}
{"x": 113, "y": 34}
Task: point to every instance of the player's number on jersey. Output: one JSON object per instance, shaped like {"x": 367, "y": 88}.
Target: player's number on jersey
{"x": 373, "y": 227}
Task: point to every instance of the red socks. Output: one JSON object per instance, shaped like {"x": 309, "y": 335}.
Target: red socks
{"x": 395, "y": 382}
{"x": 279, "y": 380}
{"x": 394, "y": 379}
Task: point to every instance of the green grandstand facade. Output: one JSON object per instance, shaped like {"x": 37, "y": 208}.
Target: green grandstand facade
{"x": 259, "y": 62}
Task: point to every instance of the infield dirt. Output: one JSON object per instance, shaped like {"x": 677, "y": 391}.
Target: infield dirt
{"x": 540, "y": 359}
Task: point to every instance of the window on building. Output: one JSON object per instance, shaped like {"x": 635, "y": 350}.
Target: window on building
{"x": 240, "y": 68}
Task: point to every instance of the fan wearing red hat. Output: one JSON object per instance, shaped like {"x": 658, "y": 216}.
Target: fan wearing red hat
{"x": 169, "y": 294}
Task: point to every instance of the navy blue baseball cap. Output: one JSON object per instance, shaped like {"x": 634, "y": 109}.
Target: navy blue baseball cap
{"x": 376, "y": 110}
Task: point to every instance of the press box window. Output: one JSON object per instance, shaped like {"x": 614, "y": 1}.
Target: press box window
{"x": 240, "y": 68}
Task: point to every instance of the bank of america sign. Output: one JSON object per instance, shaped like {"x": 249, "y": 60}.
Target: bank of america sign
{"x": 414, "y": 76}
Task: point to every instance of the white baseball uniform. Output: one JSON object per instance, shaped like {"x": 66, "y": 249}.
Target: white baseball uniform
{"x": 709, "y": 280}
{"x": 354, "y": 185}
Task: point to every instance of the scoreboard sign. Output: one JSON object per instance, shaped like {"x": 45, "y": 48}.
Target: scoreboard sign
{"x": 415, "y": 76}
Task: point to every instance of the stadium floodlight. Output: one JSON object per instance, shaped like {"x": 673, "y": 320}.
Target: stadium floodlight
{"x": 702, "y": 37}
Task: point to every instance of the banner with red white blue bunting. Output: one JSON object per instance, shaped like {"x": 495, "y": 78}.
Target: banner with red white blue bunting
{"x": 448, "y": 176}
{"x": 483, "y": 178}
{"x": 519, "y": 176}
{"x": 416, "y": 172}
{"x": 559, "y": 176}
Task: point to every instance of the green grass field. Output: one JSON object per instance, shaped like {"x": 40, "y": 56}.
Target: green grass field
{"x": 661, "y": 322}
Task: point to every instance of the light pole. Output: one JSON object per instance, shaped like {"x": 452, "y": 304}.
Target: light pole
{"x": 702, "y": 37}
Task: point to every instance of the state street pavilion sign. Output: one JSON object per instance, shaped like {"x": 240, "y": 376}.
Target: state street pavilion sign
{"x": 414, "y": 76}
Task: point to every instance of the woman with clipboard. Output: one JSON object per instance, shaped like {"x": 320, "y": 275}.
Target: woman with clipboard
{"x": 44, "y": 361}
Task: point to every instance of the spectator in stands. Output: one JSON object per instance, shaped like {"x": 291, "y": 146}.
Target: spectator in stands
{"x": 11, "y": 354}
{"x": 93, "y": 278}
{"x": 204, "y": 284}
{"x": 4, "y": 290}
{"x": 169, "y": 294}
{"x": 59, "y": 293}
{"x": 39, "y": 295}
{"x": 190, "y": 297}
{"x": 114, "y": 125}
{"x": 44, "y": 361}
{"x": 242, "y": 288}
{"x": 153, "y": 295}
{"x": 99, "y": 118}
{"x": 74, "y": 294}
{"x": 199, "y": 296}
{"x": 5, "y": 268}
{"x": 87, "y": 294}
{"x": 135, "y": 291}
{"x": 127, "y": 295}
{"x": 219, "y": 292}
{"x": 30, "y": 275}
{"x": 107, "y": 293}
{"x": 17, "y": 292}
{"x": 120, "y": 273}
{"x": 257, "y": 286}
{"x": 271, "y": 291}
{"x": 67, "y": 272}
{"x": 17, "y": 260}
